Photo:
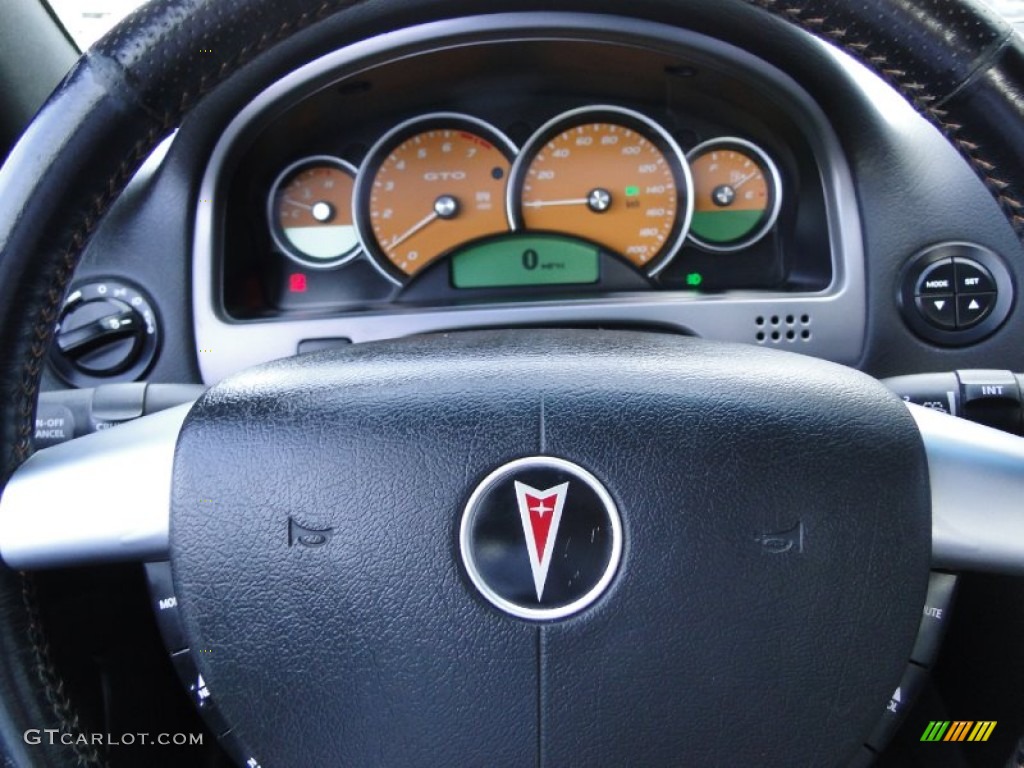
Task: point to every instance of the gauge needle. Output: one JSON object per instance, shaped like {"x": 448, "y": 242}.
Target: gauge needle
{"x": 547, "y": 203}
{"x": 296, "y": 202}
{"x": 413, "y": 230}
{"x": 744, "y": 180}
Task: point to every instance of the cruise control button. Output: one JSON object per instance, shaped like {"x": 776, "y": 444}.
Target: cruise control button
{"x": 865, "y": 758}
{"x": 939, "y": 311}
{"x": 941, "y": 587}
{"x": 238, "y": 752}
{"x": 938, "y": 278}
{"x": 899, "y": 703}
{"x": 188, "y": 671}
{"x": 972, "y": 308}
{"x": 54, "y": 424}
{"x": 971, "y": 277}
{"x": 165, "y": 604}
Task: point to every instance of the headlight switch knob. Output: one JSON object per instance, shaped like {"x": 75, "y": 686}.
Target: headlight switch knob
{"x": 107, "y": 332}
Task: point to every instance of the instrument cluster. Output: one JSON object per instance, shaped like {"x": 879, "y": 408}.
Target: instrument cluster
{"x": 527, "y": 170}
{"x": 592, "y": 185}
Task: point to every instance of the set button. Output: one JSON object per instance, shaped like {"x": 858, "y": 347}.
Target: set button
{"x": 972, "y": 278}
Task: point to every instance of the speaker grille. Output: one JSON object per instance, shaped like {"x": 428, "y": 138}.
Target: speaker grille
{"x": 782, "y": 329}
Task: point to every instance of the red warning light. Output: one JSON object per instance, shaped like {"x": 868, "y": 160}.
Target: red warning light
{"x": 297, "y": 283}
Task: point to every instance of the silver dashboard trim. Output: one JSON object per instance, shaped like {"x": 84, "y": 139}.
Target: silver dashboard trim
{"x": 836, "y": 316}
{"x": 104, "y": 497}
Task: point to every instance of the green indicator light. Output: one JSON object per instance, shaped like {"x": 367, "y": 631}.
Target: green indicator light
{"x": 632, "y": 191}
{"x": 694, "y": 279}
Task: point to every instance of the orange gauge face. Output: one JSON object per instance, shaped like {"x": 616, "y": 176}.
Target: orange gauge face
{"x": 311, "y": 212}
{"x": 431, "y": 186}
{"x": 737, "y": 194}
{"x": 609, "y": 176}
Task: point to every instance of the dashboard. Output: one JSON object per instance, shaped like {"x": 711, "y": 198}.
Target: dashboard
{"x": 403, "y": 184}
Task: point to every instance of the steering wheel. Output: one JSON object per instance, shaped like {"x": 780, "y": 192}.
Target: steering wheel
{"x": 675, "y": 629}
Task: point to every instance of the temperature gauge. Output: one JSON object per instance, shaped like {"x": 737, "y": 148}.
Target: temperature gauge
{"x": 737, "y": 194}
{"x": 310, "y": 212}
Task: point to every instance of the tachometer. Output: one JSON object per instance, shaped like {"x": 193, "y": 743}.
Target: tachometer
{"x": 310, "y": 212}
{"x": 738, "y": 194}
{"x": 608, "y": 175}
{"x": 429, "y": 185}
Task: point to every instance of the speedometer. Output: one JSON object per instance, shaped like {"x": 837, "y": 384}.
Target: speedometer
{"x": 429, "y": 185}
{"x": 608, "y": 175}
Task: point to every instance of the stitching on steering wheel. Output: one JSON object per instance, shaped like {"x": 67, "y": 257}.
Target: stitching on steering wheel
{"x": 46, "y": 671}
{"x": 51, "y": 679}
{"x": 914, "y": 92}
{"x": 55, "y": 295}
{"x": 29, "y": 389}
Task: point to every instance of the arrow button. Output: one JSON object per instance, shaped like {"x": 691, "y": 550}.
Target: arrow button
{"x": 971, "y": 309}
{"x": 939, "y": 311}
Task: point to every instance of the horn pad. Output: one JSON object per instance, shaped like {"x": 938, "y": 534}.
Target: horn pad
{"x": 775, "y": 542}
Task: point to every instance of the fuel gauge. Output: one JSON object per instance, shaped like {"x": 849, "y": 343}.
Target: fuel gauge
{"x": 737, "y": 194}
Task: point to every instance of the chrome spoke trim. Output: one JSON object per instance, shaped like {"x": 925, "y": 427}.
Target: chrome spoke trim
{"x": 977, "y": 482}
{"x": 104, "y": 497}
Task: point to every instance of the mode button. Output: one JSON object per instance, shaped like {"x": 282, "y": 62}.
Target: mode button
{"x": 937, "y": 278}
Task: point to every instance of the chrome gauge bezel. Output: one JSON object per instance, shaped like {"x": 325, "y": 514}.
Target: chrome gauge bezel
{"x": 281, "y": 241}
{"x": 773, "y": 178}
{"x": 650, "y": 130}
{"x": 383, "y": 147}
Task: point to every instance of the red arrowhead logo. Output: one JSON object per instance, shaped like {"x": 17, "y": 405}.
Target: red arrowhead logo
{"x": 541, "y": 513}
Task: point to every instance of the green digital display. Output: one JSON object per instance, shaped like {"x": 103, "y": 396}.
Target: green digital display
{"x": 525, "y": 260}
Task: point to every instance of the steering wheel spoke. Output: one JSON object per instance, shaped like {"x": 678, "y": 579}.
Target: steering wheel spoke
{"x": 101, "y": 498}
{"x": 977, "y": 484}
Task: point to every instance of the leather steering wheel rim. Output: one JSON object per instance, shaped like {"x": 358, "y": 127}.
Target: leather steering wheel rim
{"x": 956, "y": 61}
